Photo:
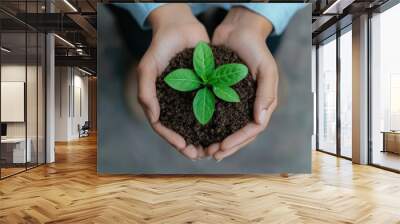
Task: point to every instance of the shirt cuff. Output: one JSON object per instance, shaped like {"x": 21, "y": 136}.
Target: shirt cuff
{"x": 140, "y": 11}
{"x": 279, "y": 14}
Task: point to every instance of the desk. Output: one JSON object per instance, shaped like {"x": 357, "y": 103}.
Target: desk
{"x": 17, "y": 150}
{"x": 391, "y": 141}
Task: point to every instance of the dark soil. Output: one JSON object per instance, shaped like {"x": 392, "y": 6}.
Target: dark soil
{"x": 176, "y": 107}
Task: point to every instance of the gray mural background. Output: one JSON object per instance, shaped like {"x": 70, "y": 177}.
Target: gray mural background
{"x": 127, "y": 144}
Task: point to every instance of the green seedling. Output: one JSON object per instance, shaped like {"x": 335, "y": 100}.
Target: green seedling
{"x": 208, "y": 81}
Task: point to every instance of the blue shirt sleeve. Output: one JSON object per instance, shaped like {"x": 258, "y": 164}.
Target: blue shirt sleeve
{"x": 279, "y": 14}
{"x": 140, "y": 11}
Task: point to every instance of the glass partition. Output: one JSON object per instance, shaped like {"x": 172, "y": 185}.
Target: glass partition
{"x": 32, "y": 95}
{"x": 41, "y": 96}
{"x": 327, "y": 96}
{"x": 22, "y": 101}
{"x": 346, "y": 93}
{"x": 14, "y": 153}
{"x": 385, "y": 89}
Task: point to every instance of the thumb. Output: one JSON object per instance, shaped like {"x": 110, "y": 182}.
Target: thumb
{"x": 221, "y": 34}
{"x": 266, "y": 93}
{"x": 147, "y": 95}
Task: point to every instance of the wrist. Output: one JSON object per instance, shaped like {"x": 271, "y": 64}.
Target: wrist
{"x": 243, "y": 17}
{"x": 170, "y": 13}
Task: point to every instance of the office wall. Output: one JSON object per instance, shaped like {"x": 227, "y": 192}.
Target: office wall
{"x": 71, "y": 102}
{"x": 80, "y": 112}
{"x": 62, "y": 82}
{"x": 92, "y": 90}
{"x": 33, "y": 126}
{"x": 15, "y": 72}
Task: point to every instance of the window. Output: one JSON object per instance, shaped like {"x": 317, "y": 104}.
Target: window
{"x": 385, "y": 89}
{"x": 346, "y": 93}
{"x": 327, "y": 96}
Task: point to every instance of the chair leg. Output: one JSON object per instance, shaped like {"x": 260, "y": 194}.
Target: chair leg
{"x": 285, "y": 175}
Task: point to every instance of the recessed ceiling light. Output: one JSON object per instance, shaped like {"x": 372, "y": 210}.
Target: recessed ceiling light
{"x": 70, "y": 5}
{"x": 5, "y": 50}
{"x": 64, "y": 40}
{"x": 337, "y": 7}
{"x": 84, "y": 71}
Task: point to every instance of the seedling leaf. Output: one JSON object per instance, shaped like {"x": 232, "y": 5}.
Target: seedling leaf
{"x": 226, "y": 93}
{"x": 183, "y": 79}
{"x": 203, "y": 60}
{"x": 204, "y": 105}
{"x": 205, "y": 75}
{"x": 228, "y": 74}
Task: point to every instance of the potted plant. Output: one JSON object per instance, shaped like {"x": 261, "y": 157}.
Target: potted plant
{"x": 206, "y": 94}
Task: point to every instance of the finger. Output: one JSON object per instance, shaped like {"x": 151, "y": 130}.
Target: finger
{"x": 200, "y": 152}
{"x": 170, "y": 136}
{"x": 221, "y": 34}
{"x": 220, "y": 155}
{"x": 266, "y": 93}
{"x": 213, "y": 148}
{"x": 147, "y": 95}
{"x": 190, "y": 152}
{"x": 193, "y": 40}
{"x": 155, "y": 60}
{"x": 249, "y": 131}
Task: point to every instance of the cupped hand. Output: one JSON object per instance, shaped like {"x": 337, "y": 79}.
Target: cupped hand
{"x": 174, "y": 29}
{"x": 245, "y": 32}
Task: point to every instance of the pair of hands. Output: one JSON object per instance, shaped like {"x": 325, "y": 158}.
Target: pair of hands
{"x": 245, "y": 32}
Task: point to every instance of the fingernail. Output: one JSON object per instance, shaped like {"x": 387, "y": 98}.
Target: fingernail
{"x": 193, "y": 152}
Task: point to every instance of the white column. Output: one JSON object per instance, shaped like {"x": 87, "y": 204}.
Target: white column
{"x": 360, "y": 90}
{"x": 50, "y": 92}
{"x": 50, "y": 99}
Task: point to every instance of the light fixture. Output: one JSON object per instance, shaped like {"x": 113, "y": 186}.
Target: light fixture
{"x": 65, "y": 41}
{"x": 337, "y": 7}
{"x": 70, "y": 5}
{"x": 5, "y": 50}
{"x": 80, "y": 51}
{"x": 84, "y": 71}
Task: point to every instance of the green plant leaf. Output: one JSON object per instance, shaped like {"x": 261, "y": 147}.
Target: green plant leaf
{"x": 226, "y": 93}
{"x": 183, "y": 79}
{"x": 229, "y": 74}
{"x": 204, "y": 105}
{"x": 203, "y": 60}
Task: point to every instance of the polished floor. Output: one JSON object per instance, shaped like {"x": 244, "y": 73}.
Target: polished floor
{"x": 5, "y": 172}
{"x": 386, "y": 159}
{"x": 70, "y": 191}
{"x": 9, "y": 171}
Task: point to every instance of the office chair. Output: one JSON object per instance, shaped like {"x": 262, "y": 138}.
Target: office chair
{"x": 84, "y": 130}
